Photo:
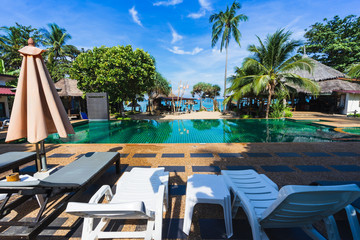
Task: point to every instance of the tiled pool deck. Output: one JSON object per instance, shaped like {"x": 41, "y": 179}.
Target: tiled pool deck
{"x": 284, "y": 163}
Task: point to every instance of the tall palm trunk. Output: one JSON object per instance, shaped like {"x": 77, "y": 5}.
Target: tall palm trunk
{"x": 226, "y": 62}
{"x": 268, "y": 103}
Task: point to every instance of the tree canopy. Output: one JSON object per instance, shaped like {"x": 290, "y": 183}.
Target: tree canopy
{"x": 270, "y": 68}
{"x": 124, "y": 73}
{"x": 335, "y": 42}
{"x": 12, "y": 39}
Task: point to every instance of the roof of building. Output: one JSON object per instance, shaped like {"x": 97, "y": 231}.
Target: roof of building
{"x": 6, "y": 77}
{"x": 68, "y": 88}
{"x": 320, "y": 72}
{"x": 6, "y": 91}
{"x": 329, "y": 79}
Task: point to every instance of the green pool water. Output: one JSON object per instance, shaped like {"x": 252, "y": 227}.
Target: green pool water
{"x": 199, "y": 131}
{"x": 352, "y": 130}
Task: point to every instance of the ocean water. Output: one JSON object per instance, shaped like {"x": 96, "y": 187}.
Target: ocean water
{"x": 207, "y": 103}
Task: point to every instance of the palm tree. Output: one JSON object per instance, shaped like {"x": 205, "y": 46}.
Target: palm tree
{"x": 225, "y": 25}
{"x": 56, "y": 39}
{"x": 272, "y": 67}
{"x": 12, "y": 39}
{"x": 354, "y": 71}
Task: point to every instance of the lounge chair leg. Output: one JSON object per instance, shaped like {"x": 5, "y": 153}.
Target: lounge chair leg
{"x": 331, "y": 228}
{"x": 43, "y": 207}
{"x": 3, "y": 204}
{"x": 353, "y": 221}
{"x": 313, "y": 233}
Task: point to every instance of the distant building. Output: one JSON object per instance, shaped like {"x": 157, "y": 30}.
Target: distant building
{"x": 338, "y": 94}
{"x": 5, "y": 92}
{"x": 71, "y": 97}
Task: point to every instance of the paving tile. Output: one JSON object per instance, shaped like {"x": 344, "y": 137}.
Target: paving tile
{"x": 312, "y": 168}
{"x": 204, "y": 155}
{"x": 229, "y": 155}
{"x": 53, "y": 227}
{"x": 317, "y": 154}
{"x": 240, "y": 167}
{"x": 61, "y": 155}
{"x": 174, "y": 168}
{"x": 128, "y": 168}
{"x": 288, "y": 154}
{"x": 177, "y": 189}
{"x": 259, "y": 154}
{"x": 205, "y": 169}
{"x": 172, "y": 228}
{"x": 144, "y": 155}
{"x": 215, "y": 229}
{"x": 124, "y": 155}
{"x": 173, "y": 155}
{"x": 347, "y": 168}
{"x": 277, "y": 168}
{"x": 346, "y": 154}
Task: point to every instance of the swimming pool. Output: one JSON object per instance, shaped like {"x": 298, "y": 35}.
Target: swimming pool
{"x": 199, "y": 131}
{"x": 355, "y": 131}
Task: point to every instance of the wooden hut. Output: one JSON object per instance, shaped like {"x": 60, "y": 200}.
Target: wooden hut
{"x": 5, "y": 92}
{"x": 71, "y": 97}
{"x": 338, "y": 94}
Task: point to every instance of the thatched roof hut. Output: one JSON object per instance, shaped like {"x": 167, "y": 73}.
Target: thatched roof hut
{"x": 320, "y": 72}
{"x": 329, "y": 79}
{"x": 68, "y": 88}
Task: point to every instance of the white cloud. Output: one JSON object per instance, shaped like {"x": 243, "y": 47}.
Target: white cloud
{"x": 168, "y": 3}
{"x": 293, "y": 22}
{"x": 197, "y": 15}
{"x": 205, "y": 6}
{"x": 177, "y": 50}
{"x": 175, "y": 36}
{"x": 134, "y": 15}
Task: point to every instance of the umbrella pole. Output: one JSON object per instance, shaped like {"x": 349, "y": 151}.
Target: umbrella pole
{"x": 38, "y": 160}
{"x": 41, "y": 157}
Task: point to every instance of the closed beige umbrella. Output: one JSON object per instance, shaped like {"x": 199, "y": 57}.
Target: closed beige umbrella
{"x": 37, "y": 110}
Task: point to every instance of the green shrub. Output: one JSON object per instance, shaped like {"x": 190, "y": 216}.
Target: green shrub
{"x": 352, "y": 115}
{"x": 245, "y": 116}
{"x": 288, "y": 112}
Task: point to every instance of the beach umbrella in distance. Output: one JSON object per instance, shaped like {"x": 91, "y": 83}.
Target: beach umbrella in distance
{"x": 37, "y": 110}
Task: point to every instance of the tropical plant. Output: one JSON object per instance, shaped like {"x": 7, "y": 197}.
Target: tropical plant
{"x": 125, "y": 74}
{"x": 271, "y": 66}
{"x": 161, "y": 86}
{"x": 14, "y": 38}
{"x": 55, "y": 39}
{"x": 335, "y": 42}
{"x": 354, "y": 71}
{"x": 226, "y": 25}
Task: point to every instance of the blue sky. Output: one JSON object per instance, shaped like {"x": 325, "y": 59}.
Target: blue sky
{"x": 176, "y": 32}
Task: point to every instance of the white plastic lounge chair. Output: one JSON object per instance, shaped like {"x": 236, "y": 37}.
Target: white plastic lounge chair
{"x": 140, "y": 194}
{"x": 352, "y": 211}
{"x": 12, "y": 160}
{"x": 292, "y": 206}
{"x": 72, "y": 180}
{"x": 6, "y": 122}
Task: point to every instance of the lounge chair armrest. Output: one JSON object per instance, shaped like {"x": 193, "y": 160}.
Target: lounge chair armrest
{"x": 104, "y": 190}
{"x": 130, "y": 210}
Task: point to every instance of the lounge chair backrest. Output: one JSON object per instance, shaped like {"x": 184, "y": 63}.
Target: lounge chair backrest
{"x": 303, "y": 205}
